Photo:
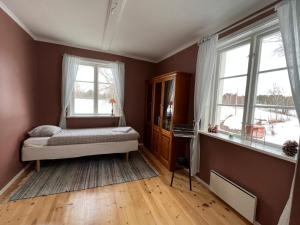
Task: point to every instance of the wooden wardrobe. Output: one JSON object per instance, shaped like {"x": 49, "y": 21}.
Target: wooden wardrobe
{"x": 167, "y": 103}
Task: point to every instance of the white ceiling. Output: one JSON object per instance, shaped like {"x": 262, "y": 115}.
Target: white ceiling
{"x": 146, "y": 29}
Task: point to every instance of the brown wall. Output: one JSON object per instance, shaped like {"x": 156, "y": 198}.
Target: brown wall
{"x": 91, "y": 122}
{"x": 49, "y": 82}
{"x": 183, "y": 61}
{"x": 267, "y": 177}
{"x": 17, "y": 94}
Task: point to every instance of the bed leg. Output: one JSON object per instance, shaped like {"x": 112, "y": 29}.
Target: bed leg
{"x": 127, "y": 156}
{"x": 37, "y": 166}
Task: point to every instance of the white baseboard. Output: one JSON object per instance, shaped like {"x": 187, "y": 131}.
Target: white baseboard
{"x": 202, "y": 182}
{"x": 14, "y": 179}
{"x": 199, "y": 180}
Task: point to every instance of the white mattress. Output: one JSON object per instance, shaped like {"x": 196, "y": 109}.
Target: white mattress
{"x": 91, "y": 135}
{"x": 36, "y": 141}
{"x": 37, "y": 149}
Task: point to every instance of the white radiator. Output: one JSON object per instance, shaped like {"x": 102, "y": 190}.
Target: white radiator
{"x": 235, "y": 196}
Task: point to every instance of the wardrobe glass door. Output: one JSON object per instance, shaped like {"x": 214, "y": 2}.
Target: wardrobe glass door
{"x": 157, "y": 103}
{"x": 148, "y": 102}
{"x": 168, "y": 106}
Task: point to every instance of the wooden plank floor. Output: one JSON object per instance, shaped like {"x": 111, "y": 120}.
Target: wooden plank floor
{"x": 144, "y": 202}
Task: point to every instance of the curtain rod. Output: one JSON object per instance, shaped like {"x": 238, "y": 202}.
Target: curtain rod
{"x": 270, "y": 6}
{"x": 239, "y": 22}
{"x": 95, "y": 60}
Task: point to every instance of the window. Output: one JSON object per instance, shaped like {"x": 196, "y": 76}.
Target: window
{"x": 253, "y": 89}
{"x": 274, "y": 107}
{"x": 93, "y": 91}
{"x": 232, "y": 87}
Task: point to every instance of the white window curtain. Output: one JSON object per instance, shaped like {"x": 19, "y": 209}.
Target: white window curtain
{"x": 205, "y": 70}
{"x": 289, "y": 19}
{"x": 69, "y": 71}
{"x": 119, "y": 80}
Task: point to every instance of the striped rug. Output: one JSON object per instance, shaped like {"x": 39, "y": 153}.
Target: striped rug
{"x": 58, "y": 176}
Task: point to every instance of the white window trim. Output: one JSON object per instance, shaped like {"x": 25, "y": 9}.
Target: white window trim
{"x": 252, "y": 34}
{"x": 94, "y": 63}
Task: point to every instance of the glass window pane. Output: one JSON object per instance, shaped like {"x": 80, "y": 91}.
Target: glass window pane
{"x": 84, "y": 98}
{"x": 84, "y": 90}
{"x": 104, "y": 107}
{"x": 280, "y": 124}
{"x": 230, "y": 118}
{"x": 83, "y": 106}
{"x": 273, "y": 88}
{"x": 272, "y": 52}
{"x": 105, "y": 75}
{"x": 105, "y": 97}
{"x": 234, "y": 61}
{"x": 232, "y": 91}
{"x": 85, "y": 73}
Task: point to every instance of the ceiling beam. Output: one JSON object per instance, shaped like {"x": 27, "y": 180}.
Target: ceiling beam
{"x": 113, "y": 16}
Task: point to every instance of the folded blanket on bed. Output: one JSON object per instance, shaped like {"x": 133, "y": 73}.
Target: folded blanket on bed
{"x": 122, "y": 129}
{"x": 93, "y": 135}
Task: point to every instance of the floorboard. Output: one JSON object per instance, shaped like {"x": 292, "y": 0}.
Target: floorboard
{"x": 148, "y": 202}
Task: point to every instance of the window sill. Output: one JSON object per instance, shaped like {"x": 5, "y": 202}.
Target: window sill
{"x": 258, "y": 147}
{"x": 91, "y": 116}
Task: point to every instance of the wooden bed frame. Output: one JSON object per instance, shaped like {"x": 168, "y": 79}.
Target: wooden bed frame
{"x": 38, "y": 163}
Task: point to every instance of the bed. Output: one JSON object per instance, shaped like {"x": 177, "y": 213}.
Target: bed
{"x": 72, "y": 143}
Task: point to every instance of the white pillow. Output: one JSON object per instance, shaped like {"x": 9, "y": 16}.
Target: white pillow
{"x": 44, "y": 131}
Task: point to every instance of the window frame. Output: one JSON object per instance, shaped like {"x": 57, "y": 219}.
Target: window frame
{"x": 253, "y": 36}
{"x": 95, "y": 65}
{"x": 218, "y": 78}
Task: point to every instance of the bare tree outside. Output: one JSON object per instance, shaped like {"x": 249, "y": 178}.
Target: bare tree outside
{"x": 276, "y": 38}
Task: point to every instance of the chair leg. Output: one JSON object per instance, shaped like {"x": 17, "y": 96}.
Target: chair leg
{"x": 127, "y": 156}
{"x": 172, "y": 177}
{"x": 190, "y": 176}
{"x": 37, "y": 166}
